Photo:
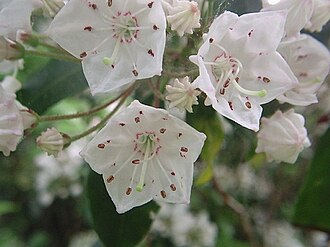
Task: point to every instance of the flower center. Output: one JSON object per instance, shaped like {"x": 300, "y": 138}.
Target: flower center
{"x": 226, "y": 69}
{"x": 146, "y": 143}
{"x": 125, "y": 27}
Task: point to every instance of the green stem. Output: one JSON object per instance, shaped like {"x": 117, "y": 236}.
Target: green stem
{"x": 58, "y": 56}
{"x": 180, "y": 74}
{"x": 107, "y": 117}
{"x": 155, "y": 90}
{"x": 78, "y": 114}
{"x": 54, "y": 48}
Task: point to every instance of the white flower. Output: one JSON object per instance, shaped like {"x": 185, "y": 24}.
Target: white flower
{"x": 183, "y": 16}
{"x": 118, "y": 41}
{"x": 52, "y": 7}
{"x": 299, "y": 13}
{"x": 51, "y": 141}
{"x": 239, "y": 66}
{"x": 182, "y": 94}
{"x": 10, "y": 50}
{"x": 144, "y": 153}
{"x": 11, "y": 123}
{"x": 282, "y": 136}
{"x": 309, "y": 60}
{"x": 16, "y": 15}
{"x": 320, "y": 16}
{"x": 60, "y": 176}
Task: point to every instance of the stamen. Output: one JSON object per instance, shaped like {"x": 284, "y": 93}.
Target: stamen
{"x": 139, "y": 11}
{"x": 261, "y": 93}
{"x": 165, "y": 173}
{"x": 112, "y": 59}
{"x": 147, "y": 155}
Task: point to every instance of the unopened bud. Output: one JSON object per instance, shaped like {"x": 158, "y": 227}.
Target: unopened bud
{"x": 52, "y": 141}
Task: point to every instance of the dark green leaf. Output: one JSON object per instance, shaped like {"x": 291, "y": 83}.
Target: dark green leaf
{"x": 55, "y": 81}
{"x": 313, "y": 206}
{"x": 116, "y": 230}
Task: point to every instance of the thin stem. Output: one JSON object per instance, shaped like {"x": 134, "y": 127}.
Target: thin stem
{"x": 104, "y": 120}
{"x": 155, "y": 90}
{"x": 240, "y": 210}
{"x": 58, "y": 56}
{"x": 55, "y": 48}
{"x": 180, "y": 74}
{"x": 79, "y": 114}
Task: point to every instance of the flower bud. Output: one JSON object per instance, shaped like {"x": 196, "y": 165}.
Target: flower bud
{"x": 52, "y": 141}
{"x": 10, "y": 50}
{"x": 283, "y": 136}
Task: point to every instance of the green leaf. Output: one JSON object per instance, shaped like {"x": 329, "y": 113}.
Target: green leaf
{"x": 116, "y": 230}
{"x": 313, "y": 206}
{"x": 55, "y": 81}
{"x": 208, "y": 123}
{"x": 7, "y": 207}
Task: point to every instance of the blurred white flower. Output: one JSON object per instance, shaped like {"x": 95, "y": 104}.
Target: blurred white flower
{"x": 177, "y": 223}
{"x": 239, "y": 66}
{"x": 11, "y": 123}
{"x": 59, "y": 177}
{"x": 299, "y": 13}
{"x": 282, "y": 136}
{"x": 309, "y": 60}
{"x": 320, "y": 16}
{"x": 182, "y": 94}
{"x": 118, "y": 41}
{"x": 144, "y": 153}
{"x": 51, "y": 7}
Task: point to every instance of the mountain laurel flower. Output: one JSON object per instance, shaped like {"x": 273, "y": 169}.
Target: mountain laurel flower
{"x": 11, "y": 124}
{"x": 119, "y": 41}
{"x": 52, "y": 7}
{"x": 282, "y": 136}
{"x": 182, "y": 94}
{"x": 51, "y": 141}
{"x": 239, "y": 67}
{"x": 299, "y": 13}
{"x": 309, "y": 60}
{"x": 183, "y": 16}
{"x": 320, "y": 16}
{"x": 145, "y": 153}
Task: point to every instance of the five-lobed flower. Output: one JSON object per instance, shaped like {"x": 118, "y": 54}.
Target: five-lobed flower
{"x": 239, "y": 66}
{"x": 145, "y": 153}
{"x": 118, "y": 41}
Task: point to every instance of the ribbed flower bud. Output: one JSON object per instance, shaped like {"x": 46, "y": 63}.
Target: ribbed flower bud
{"x": 283, "y": 136}
{"x": 52, "y": 141}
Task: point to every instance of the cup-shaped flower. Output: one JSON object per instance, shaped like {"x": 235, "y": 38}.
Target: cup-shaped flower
{"x": 282, "y": 136}
{"x": 51, "y": 141}
{"x": 182, "y": 94}
{"x": 239, "y": 66}
{"x": 145, "y": 153}
{"x": 118, "y": 41}
{"x": 320, "y": 16}
{"x": 183, "y": 16}
{"x": 309, "y": 60}
{"x": 11, "y": 123}
{"x": 299, "y": 13}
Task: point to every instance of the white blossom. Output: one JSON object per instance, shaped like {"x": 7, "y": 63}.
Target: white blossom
{"x": 182, "y": 94}
{"x": 320, "y": 16}
{"x": 118, "y": 41}
{"x": 183, "y": 16}
{"x": 51, "y": 141}
{"x": 11, "y": 123}
{"x": 60, "y": 176}
{"x": 299, "y": 14}
{"x": 144, "y": 153}
{"x": 309, "y": 60}
{"x": 282, "y": 136}
{"x": 239, "y": 66}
